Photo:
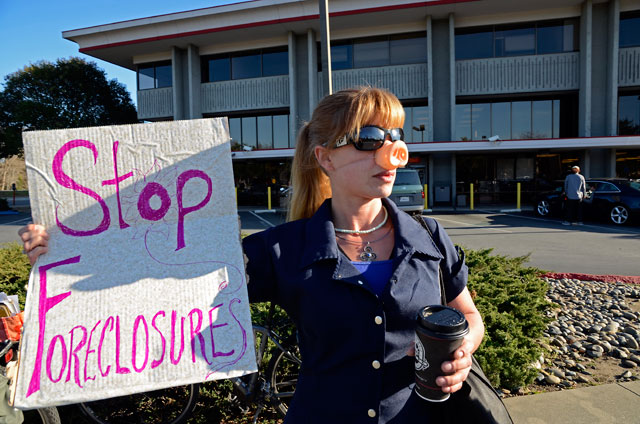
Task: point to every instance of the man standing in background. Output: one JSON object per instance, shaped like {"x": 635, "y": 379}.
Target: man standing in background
{"x": 575, "y": 189}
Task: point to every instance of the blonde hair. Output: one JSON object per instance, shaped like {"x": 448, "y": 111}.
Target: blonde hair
{"x": 343, "y": 112}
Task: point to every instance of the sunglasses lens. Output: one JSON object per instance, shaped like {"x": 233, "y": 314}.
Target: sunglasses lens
{"x": 370, "y": 138}
{"x": 396, "y": 134}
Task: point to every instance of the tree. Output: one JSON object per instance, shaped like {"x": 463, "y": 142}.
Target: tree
{"x": 70, "y": 93}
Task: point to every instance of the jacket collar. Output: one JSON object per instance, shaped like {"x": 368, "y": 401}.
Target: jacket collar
{"x": 320, "y": 240}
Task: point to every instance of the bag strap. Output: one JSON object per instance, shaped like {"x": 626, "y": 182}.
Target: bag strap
{"x": 443, "y": 295}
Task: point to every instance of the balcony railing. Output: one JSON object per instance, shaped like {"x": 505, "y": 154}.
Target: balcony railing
{"x": 629, "y": 67}
{"x": 245, "y": 94}
{"x": 405, "y": 81}
{"x": 155, "y": 103}
{"x": 549, "y": 72}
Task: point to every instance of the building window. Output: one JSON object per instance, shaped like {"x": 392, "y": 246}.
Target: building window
{"x": 242, "y": 65}
{"x": 155, "y": 75}
{"x": 630, "y": 29}
{"x": 518, "y": 119}
{"x": 398, "y": 49}
{"x": 629, "y": 115}
{"x": 517, "y": 40}
{"x": 416, "y": 123}
{"x": 259, "y": 132}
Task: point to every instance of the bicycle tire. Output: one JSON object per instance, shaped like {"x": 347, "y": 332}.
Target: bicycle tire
{"x": 166, "y": 406}
{"x": 282, "y": 373}
{"x": 49, "y": 415}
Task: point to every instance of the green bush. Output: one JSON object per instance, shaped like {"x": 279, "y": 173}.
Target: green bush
{"x": 14, "y": 271}
{"x": 511, "y": 300}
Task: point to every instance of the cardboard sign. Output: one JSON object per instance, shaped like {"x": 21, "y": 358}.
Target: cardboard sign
{"x": 144, "y": 286}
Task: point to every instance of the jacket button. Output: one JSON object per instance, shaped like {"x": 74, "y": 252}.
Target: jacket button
{"x": 371, "y": 413}
{"x": 360, "y": 282}
{"x": 378, "y": 320}
{"x": 375, "y": 364}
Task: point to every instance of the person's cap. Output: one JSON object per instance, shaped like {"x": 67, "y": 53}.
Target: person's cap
{"x": 575, "y": 167}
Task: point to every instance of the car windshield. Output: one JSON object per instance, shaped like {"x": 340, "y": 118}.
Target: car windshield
{"x": 635, "y": 185}
{"x": 407, "y": 178}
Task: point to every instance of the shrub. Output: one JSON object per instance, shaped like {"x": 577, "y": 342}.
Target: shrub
{"x": 14, "y": 271}
{"x": 511, "y": 300}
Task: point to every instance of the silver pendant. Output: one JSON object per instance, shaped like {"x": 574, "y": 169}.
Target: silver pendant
{"x": 367, "y": 254}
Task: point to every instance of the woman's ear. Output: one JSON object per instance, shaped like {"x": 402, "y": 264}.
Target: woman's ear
{"x": 323, "y": 156}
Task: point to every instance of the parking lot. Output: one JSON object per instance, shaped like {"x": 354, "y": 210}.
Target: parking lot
{"x": 595, "y": 248}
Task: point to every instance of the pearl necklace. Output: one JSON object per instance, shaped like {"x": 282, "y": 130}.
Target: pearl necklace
{"x": 377, "y": 227}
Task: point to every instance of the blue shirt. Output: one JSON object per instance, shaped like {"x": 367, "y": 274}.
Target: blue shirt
{"x": 376, "y": 273}
{"x": 353, "y": 342}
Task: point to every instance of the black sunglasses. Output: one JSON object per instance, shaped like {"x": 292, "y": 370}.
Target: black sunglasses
{"x": 371, "y": 137}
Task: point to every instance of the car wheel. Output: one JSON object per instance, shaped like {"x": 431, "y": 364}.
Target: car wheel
{"x": 619, "y": 214}
{"x": 543, "y": 208}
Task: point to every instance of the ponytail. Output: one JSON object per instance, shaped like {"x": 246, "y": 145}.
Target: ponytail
{"x": 310, "y": 183}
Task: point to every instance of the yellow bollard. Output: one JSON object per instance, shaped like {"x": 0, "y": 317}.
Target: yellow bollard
{"x": 269, "y": 198}
{"x": 471, "y": 197}
{"x": 426, "y": 196}
{"x": 236, "y": 197}
{"x": 518, "y": 196}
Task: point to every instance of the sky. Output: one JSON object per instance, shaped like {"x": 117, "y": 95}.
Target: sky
{"x": 31, "y": 30}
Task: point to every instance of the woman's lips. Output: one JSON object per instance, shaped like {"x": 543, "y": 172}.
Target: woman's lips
{"x": 386, "y": 176}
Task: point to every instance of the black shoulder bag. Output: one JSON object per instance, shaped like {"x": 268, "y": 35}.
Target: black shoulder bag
{"x": 477, "y": 401}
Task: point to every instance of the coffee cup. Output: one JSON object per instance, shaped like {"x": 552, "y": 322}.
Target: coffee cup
{"x": 439, "y": 332}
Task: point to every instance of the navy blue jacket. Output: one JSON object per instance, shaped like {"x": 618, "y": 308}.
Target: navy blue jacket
{"x": 353, "y": 343}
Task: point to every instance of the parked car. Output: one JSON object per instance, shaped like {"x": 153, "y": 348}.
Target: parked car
{"x": 617, "y": 200}
{"x": 408, "y": 192}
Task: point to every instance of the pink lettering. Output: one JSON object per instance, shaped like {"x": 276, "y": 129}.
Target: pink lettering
{"x": 116, "y": 181}
{"x": 157, "y": 362}
{"x": 119, "y": 369}
{"x": 145, "y": 209}
{"x": 66, "y": 181}
{"x": 195, "y": 332}
{"x": 211, "y": 328}
{"x": 174, "y": 360}
{"x": 63, "y": 358}
{"x": 104, "y": 329}
{"x": 74, "y": 355}
{"x": 183, "y": 211}
{"x": 44, "y": 305}
{"x": 136, "y": 324}
{"x": 89, "y": 350}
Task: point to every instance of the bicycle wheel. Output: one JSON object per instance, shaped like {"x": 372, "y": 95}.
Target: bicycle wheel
{"x": 282, "y": 373}
{"x": 167, "y": 406}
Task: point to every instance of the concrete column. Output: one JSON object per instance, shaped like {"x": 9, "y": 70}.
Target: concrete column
{"x": 453, "y": 180}
{"x": 586, "y": 40}
{"x": 611, "y": 168}
{"x": 452, "y": 74}
{"x": 178, "y": 81}
{"x": 194, "y": 80}
{"x": 612, "y": 68}
{"x": 312, "y": 62}
{"x": 586, "y": 164}
{"x": 430, "y": 181}
{"x": 293, "y": 104}
{"x": 430, "y": 80}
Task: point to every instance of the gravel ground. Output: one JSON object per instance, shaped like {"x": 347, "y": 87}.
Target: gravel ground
{"x": 594, "y": 337}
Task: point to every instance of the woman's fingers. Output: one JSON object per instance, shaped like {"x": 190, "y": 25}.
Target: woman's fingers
{"x": 33, "y": 254}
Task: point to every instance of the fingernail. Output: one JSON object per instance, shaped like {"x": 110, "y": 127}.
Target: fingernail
{"x": 440, "y": 381}
{"x": 447, "y": 367}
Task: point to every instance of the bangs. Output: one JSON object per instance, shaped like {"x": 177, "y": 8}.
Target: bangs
{"x": 375, "y": 106}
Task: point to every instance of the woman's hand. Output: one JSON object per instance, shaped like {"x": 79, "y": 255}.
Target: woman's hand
{"x": 456, "y": 371}
{"x": 35, "y": 241}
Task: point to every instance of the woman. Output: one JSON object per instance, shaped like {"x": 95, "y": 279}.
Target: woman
{"x": 352, "y": 271}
